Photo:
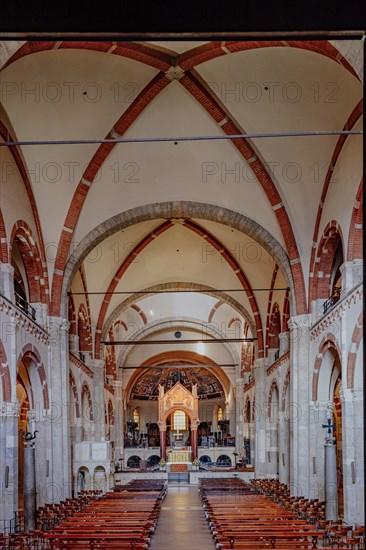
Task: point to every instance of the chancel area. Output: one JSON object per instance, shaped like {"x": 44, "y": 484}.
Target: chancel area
{"x": 181, "y": 271}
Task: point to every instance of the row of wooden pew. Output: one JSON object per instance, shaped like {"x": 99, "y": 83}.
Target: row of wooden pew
{"x": 335, "y": 533}
{"x": 240, "y": 517}
{"x": 125, "y": 518}
{"x": 47, "y": 517}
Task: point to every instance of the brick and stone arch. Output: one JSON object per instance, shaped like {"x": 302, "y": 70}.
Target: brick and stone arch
{"x": 355, "y": 237}
{"x": 72, "y": 316}
{"x": 350, "y": 123}
{"x": 171, "y": 210}
{"x": 22, "y": 235}
{"x": 84, "y": 330}
{"x": 274, "y": 327}
{"x": 328, "y": 352}
{"x": 273, "y": 398}
{"x": 18, "y": 159}
{"x": 31, "y": 359}
{"x": 321, "y": 280}
{"x": 5, "y": 375}
{"x": 120, "y": 309}
{"x": 357, "y": 336}
{"x": 286, "y": 312}
{"x": 216, "y": 244}
{"x": 3, "y": 241}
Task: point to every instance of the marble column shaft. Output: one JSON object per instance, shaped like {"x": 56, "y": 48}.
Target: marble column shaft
{"x": 259, "y": 371}
{"x": 298, "y": 409}
{"x": 60, "y": 459}
{"x": 29, "y": 487}
{"x": 331, "y": 500}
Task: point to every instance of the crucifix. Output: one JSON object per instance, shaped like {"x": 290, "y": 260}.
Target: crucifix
{"x": 330, "y": 427}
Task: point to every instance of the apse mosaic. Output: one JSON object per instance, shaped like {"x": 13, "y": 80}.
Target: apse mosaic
{"x": 147, "y": 387}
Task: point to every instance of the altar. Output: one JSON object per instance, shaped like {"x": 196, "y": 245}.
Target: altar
{"x": 179, "y": 456}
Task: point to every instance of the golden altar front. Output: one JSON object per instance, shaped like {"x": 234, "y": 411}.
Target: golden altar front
{"x": 178, "y": 456}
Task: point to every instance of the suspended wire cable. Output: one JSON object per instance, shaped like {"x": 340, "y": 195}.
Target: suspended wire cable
{"x": 178, "y": 291}
{"x": 180, "y": 138}
{"x": 177, "y": 341}
{"x": 188, "y": 366}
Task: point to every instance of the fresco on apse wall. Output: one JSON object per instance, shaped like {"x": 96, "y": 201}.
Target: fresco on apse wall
{"x": 147, "y": 387}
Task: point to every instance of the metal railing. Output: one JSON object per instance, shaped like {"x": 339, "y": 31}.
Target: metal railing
{"x": 12, "y": 525}
{"x": 25, "y": 306}
{"x": 327, "y": 306}
{"x": 178, "y": 477}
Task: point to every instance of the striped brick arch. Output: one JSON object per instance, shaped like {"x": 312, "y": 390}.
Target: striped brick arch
{"x": 216, "y": 244}
{"x": 274, "y": 386}
{"x": 3, "y": 241}
{"x": 328, "y": 342}
{"x": 30, "y": 352}
{"x": 22, "y": 235}
{"x": 355, "y": 238}
{"x": 352, "y": 356}
{"x": 84, "y": 330}
{"x": 322, "y": 269}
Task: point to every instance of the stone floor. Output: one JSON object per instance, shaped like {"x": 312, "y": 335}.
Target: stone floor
{"x": 182, "y": 524}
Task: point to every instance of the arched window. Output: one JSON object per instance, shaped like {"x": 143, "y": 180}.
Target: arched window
{"x": 219, "y": 414}
{"x": 179, "y": 420}
{"x": 136, "y": 418}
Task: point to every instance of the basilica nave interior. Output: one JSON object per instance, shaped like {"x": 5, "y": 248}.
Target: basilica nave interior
{"x": 181, "y": 301}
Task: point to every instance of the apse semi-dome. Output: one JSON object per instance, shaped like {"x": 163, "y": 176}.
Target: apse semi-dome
{"x": 147, "y": 387}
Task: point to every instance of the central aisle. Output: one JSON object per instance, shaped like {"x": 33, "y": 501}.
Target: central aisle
{"x": 182, "y": 524}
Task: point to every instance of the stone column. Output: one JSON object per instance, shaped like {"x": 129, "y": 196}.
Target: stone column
{"x": 162, "y": 441}
{"x": 230, "y": 415}
{"x": 118, "y": 419}
{"x": 284, "y": 449}
{"x": 60, "y": 452}
{"x": 259, "y": 371}
{"x": 331, "y": 496}
{"x": 239, "y": 432}
{"x": 353, "y": 455}
{"x": 7, "y": 281}
{"x": 39, "y": 421}
{"x": 29, "y": 482}
{"x": 300, "y": 386}
{"x": 9, "y": 412}
{"x": 194, "y": 438}
{"x": 98, "y": 405}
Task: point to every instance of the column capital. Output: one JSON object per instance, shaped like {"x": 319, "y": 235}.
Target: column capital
{"x": 97, "y": 363}
{"x": 299, "y": 321}
{"x": 351, "y": 394}
{"x": 59, "y": 322}
{"x": 9, "y": 408}
{"x": 6, "y": 268}
{"x": 260, "y": 363}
